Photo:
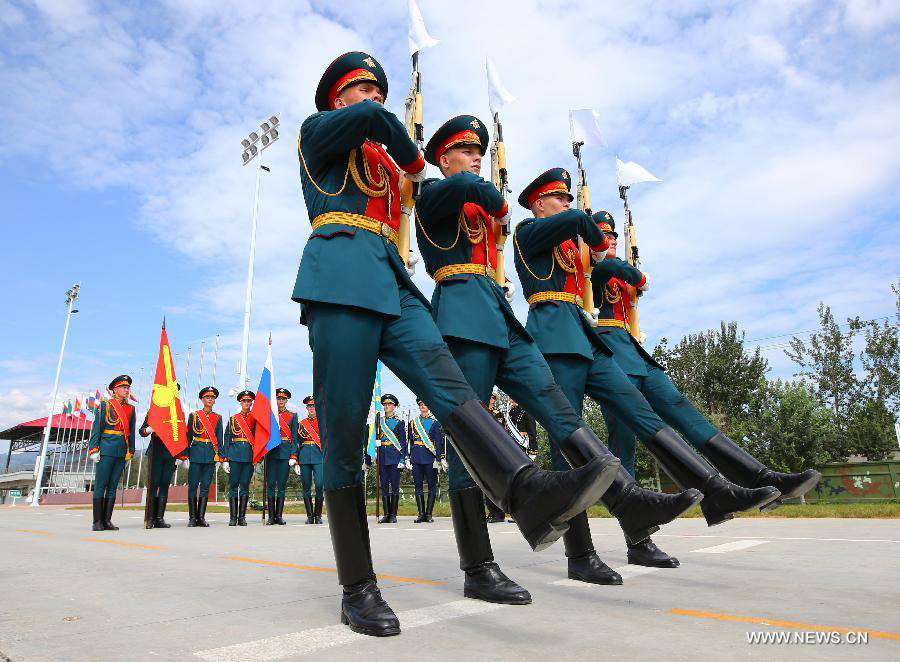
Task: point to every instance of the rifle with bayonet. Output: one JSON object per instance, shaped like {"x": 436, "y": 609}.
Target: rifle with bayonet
{"x": 409, "y": 191}
{"x": 584, "y": 204}
{"x": 629, "y": 240}
{"x": 501, "y": 182}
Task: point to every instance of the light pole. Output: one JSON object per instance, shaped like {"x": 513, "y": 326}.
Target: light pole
{"x": 268, "y": 135}
{"x": 71, "y": 295}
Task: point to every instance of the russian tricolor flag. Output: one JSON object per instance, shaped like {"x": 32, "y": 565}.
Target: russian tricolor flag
{"x": 268, "y": 434}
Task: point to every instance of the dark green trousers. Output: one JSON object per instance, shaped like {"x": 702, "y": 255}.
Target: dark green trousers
{"x": 200, "y": 476}
{"x": 161, "y": 471}
{"x": 277, "y": 477}
{"x": 672, "y": 407}
{"x": 603, "y": 380}
{"x": 523, "y": 374}
{"x": 346, "y": 343}
{"x": 106, "y": 480}
{"x": 239, "y": 478}
{"x": 308, "y": 472}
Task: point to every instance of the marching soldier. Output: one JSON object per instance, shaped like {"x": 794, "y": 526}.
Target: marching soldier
{"x": 206, "y": 437}
{"x": 549, "y": 266}
{"x": 426, "y": 453}
{"x": 281, "y": 458}
{"x": 162, "y": 468}
{"x": 526, "y": 425}
{"x": 391, "y": 450}
{"x": 611, "y": 280}
{"x": 310, "y": 466}
{"x": 112, "y": 445}
{"x": 495, "y": 512}
{"x": 360, "y": 305}
{"x": 238, "y": 459}
{"x": 455, "y": 220}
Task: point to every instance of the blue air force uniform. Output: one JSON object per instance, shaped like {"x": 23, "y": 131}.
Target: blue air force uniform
{"x": 390, "y": 435}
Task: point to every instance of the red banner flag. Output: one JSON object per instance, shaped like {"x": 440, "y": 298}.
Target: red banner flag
{"x": 166, "y": 415}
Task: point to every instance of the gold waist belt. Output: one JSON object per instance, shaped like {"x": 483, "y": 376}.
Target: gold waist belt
{"x": 619, "y": 324}
{"x": 357, "y": 221}
{"x": 310, "y": 443}
{"x": 465, "y": 268}
{"x": 199, "y": 440}
{"x": 117, "y": 432}
{"x": 565, "y": 297}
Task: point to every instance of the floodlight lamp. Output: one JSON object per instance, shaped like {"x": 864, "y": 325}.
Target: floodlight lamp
{"x": 253, "y": 151}
{"x": 273, "y": 121}
{"x": 245, "y": 143}
{"x": 246, "y": 157}
{"x": 265, "y": 127}
{"x": 265, "y": 141}
{"x": 273, "y": 134}
{"x": 254, "y": 137}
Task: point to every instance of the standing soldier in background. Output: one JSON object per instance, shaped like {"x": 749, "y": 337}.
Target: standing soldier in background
{"x": 426, "y": 451}
{"x": 281, "y": 458}
{"x": 526, "y": 425}
{"x": 310, "y": 466}
{"x": 392, "y": 450}
{"x": 238, "y": 459}
{"x": 495, "y": 512}
{"x": 613, "y": 281}
{"x": 162, "y": 467}
{"x": 205, "y": 438}
{"x": 112, "y": 445}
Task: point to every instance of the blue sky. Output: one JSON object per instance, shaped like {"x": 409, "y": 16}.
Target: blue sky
{"x": 775, "y": 127}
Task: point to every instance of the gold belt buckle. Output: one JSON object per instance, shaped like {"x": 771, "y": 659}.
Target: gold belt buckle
{"x": 385, "y": 230}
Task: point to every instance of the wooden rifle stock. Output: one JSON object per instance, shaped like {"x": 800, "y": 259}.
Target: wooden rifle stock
{"x": 584, "y": 204}
{"x": 633, "y": 258}
{"x": 409, "y": 191}
{"x": 501, "y": 182}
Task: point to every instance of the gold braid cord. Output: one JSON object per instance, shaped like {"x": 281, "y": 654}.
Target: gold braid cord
{"x": 383, "y": 183}
{"x": 474, "y": 235}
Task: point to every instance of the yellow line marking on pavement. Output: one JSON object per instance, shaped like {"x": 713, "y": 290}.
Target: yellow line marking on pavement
{"x": 43, "y": 533}
{"x": 317, "y": 568}
{"x": 783, "y": 624}
{"x": 124, "y": 544}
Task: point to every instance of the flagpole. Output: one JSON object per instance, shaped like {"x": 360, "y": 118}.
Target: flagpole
{"x": 87, "y": 448}
{"x": 54, "y": 464}
{"x": 215, "y": 360}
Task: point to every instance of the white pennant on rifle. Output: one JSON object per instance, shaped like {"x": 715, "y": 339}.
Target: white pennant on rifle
{"x": 418, "y": 33}
{"x": 585, "y": 129}
{"x": 498, "y": 95}
{"x": 632, "y": 173}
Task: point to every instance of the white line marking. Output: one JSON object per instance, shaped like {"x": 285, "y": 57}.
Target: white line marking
{"x": 307, "y": 641}
{"x": 673, "y": 535}
{"x": 734, "y": 546}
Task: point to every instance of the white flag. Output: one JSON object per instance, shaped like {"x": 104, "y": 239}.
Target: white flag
{"x": 632, "y": 173}
{"x": 498, "y": 95}
{"x": 418, "y": 33}
{"x": 585, "y": 129}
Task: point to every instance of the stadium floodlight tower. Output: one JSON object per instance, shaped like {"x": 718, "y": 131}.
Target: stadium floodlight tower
{"x": 71, "y": 295}
{"x": 267, "y": 135}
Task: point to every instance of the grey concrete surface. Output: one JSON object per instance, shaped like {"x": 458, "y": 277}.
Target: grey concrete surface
{"x": 265, "y": 593}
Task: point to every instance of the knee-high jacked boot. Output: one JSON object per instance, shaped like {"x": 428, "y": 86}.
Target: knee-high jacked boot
{"x": 362, "y": 607}
{"x": 310, "y": 516}
{"x": 161, "y": 513}
{"x": 738, "y": 466}
{"x": 98, "y": 515}
{"x": 318, "y": 509}
{"x": 108, "y": 505}
{"x": 192, "y": 510}
{"x": 386, "y": 508}
{"x": 232, "y": 510}
{"x": 279, "y": 511}
{"x": 201, "y": 510}
{"x": 721, "y": 498}
{"x": 584, "y": 563}
{"x": 484, "y": 578}
{"x": 420, "y": 506}
{"x": 542, "y": 502}
{"x": 429, "y": 508}
{"x": 242, "y": 509}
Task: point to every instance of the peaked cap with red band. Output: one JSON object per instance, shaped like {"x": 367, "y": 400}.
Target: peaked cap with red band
{"x": 282, "y": 392}
{"x": 456, "y": 132}
{"x": 244, "y": 394}
{"x": 209, "y": 390}
{"x": 118, "y": 381}
{"x": 349, "y": 69}
{"x": 308, "y": 400}
{"x": 555, "y": 180}
{"x": 605, "y": 222}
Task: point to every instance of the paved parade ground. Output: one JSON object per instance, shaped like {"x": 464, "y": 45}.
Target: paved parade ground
{"x": 270, "y": 593}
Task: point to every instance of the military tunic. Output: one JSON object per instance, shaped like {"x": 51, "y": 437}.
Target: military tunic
{"x": 610, "y": 281}
{"x": 113, "y": 438}
{"x": 278, "y": 458}
{"x": 238, "y": 449}
{"x": 420, "y": 456}
{"x": 203, "y": 451}
{"x": 310, "y": 457}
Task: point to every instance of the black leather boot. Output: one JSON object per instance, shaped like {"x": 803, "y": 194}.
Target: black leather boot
{"x": 429, "y": 507}
{"x": 484, "y": 578}
{"x": 641, "y": 512}
{"x": 362, "y": 607}
{"x": 192, "y": 510}
{"x": 318, "y": 508}
{"x": 542, "y": 502}
{"x": 394, "y": 503}
{"x": 150, "y": 513}
{"x": 646, "y": 553}
{"x": 310, "y": 514}
{"x": 386, "y": 509}
{"x": 108, "y": 505}
{"x": 161, "y": 513}
{"x": 98, "y": 515}
{"x": 584, "y": 563}
{"x": 721, "y": 498}
{"x": 201, "y": 511}
{"x": 279, "y": 511}
{"x": 420, "y": 506}
{"x": 495, "y": 513}
{"x": 242, "y": 509}
{"x": 232, "y": 510}
{"x": 738, "y": 466}
{"x": 270, "y": 505}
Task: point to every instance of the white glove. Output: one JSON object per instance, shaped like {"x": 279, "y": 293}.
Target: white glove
{"x": 149, "y": 430}
{"x": 401, "y": 465}
{"x": 444, "y": 464}
{"x": 599, "y": 256}
{"x": 510, "y": 290}
{"x": 643, "y": 338}
{"x": 363, "y": 468}
{"x": 292, "y": 462}
{"x": 226, "y": 467}
{"x": 436, "y": 464}
{"x": 179, "y": 462}
{"x": 411, "y": 268}
{"x": 408, "y": 465}
{"x": 187, "y": 464}
{"x": 506, "y": 219}
{"x": 416, "y": 177}
{"x": 297, "y": 469}
{"x": 591, "y": 316}
{"x": 646, "y": 285}
{"x": 95, "y": 456}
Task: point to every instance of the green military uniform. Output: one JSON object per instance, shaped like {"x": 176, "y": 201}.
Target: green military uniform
{"x": 238, "y": 453}
{"x": 112, "y": 438}
{"x": 161, "y": 469}
{"x": 360, "y": 305}
{"x": 280, "y": 459}
{"x": 311, "y": 462}
{"x": 205, "y": 438}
